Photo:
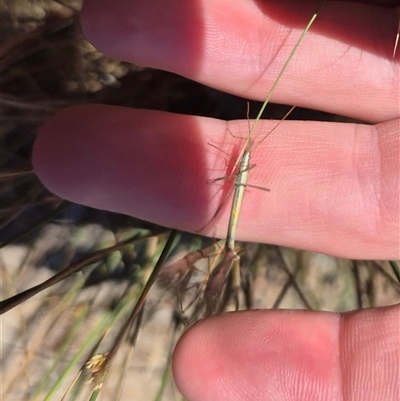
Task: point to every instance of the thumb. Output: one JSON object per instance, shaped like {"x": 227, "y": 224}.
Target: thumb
{"x": 291, "y": 355}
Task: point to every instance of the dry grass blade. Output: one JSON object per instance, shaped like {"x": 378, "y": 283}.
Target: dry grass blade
{"x": 17, "y": 299}
{"x": 98, "y": 365}
{"x": 396, "y": 41}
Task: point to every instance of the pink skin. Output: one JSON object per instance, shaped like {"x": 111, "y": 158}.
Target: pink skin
{"x": 291, "y": 355}
{"x": 334, "y": 187}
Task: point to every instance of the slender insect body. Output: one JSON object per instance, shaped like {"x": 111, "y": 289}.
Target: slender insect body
{"x": 240, "y": 186}
{"x": 230, "y": 258}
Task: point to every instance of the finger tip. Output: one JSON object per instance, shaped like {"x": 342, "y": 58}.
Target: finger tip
{"x": 143, "y": 163}
{"x": 51, "y": 150}
{"x": 192, "y": 365}
{"x": 130, "y": 31}
{"x": 242, "y": 355}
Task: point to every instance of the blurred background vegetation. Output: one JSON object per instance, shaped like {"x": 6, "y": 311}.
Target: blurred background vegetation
{"x": 46, "y": 64}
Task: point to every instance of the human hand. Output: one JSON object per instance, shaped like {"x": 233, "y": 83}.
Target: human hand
{"x": 334, "y": 187}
